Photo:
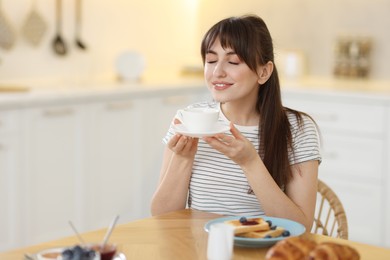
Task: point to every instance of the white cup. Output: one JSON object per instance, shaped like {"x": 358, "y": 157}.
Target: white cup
{"x": 199, "y": 119}
{"x": 220, "y": 242}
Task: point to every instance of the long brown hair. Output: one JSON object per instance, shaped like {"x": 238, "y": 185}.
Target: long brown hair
{"x": 249, "y": 37}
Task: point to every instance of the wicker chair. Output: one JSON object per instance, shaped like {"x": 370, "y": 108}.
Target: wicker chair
{"x": 330, "y": 214}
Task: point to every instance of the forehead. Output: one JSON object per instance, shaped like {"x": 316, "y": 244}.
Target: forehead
{"x": 217, "y": 45}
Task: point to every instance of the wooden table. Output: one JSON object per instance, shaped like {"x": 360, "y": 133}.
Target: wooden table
{"x": 176, "y": 235}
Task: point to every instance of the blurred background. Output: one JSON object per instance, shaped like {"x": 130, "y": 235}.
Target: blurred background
{"x": 78, "y": 144}
{"x": 168, "y": 34}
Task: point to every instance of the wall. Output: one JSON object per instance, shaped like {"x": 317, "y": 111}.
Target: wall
{"x": 163, "y": 31}
{"x": 168, "y": 33}
{"x": 313, "y": 26}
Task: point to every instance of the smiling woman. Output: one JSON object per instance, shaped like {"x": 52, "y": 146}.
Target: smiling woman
{"x": 270, "y": 149}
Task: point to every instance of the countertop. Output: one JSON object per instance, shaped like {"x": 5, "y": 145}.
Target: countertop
{"x": 34, "y": 93}
{"x": 41, "y": 92}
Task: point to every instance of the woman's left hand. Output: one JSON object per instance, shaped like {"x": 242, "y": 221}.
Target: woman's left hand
{"x": 236, "y": 147}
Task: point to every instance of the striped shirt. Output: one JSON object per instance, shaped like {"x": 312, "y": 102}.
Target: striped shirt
{"x": 218, "y": 184}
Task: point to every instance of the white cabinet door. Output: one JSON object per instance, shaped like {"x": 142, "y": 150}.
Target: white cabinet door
{"x": 341, "y": 117}
{"x": 363, "y": 205}
{"x": 352, "y": 158}
{"x": 352, "y": 166}
{"x": 353, "y": 153}
{"x": 9, "y": 176}
{"x": 113, "y": 166}
{"x": 52, "y": 171}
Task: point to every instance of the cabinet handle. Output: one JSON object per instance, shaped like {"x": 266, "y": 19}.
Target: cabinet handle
{"x": 58, "y": 112}
{"x": 120, "y": 105}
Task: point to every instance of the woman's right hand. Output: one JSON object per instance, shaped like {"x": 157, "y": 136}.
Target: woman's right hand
{"x": 183, "y": 145}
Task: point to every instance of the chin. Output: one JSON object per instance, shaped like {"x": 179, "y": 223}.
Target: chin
{"x": 220, "y": 99}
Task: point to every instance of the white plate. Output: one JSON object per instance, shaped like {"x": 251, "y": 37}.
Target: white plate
{"x": 293, "y": 227}
{"x": 219, "y": 128}
{"x": 57, "y": 254}
{"x": 45, "y": 254}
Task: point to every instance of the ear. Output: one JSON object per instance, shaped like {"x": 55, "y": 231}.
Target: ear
{"x": 264, "y": 72}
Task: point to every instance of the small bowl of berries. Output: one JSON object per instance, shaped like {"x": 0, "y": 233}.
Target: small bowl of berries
{"x": 79, "y": 253}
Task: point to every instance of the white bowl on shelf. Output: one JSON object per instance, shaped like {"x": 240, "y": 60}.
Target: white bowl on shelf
{"x": 130, "y": 65}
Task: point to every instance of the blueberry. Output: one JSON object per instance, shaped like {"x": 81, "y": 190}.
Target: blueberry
{"x": 90, "y": 254}
{"x": 77, "y": 250}
{"x": 273, "y": 227}
{"x": 269, "y": 223}
{"x": 286, "y": 233}
{"x": 268, "y": 236}
{"x": 243, "y": 220}
{"x": 67, "y": 254}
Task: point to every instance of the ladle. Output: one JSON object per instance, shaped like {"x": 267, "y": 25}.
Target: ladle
{"x": 59, "y": 45}
{"x": 79, "y": 42}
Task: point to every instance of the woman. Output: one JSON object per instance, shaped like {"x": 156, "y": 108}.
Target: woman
{"x": 268, "y": 164}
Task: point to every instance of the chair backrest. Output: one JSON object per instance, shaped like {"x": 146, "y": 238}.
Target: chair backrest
{"x": 330, "y": 214}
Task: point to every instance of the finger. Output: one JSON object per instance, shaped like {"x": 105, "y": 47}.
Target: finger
{"x": 191, "y": 142}
{"x": 217, "y": 143}
{"x": 181, "y": 143}
{"x": 235, "y": 132}
{"x": 177, "y": 142}
{"x": 173, "y": 141}
{"x": 226, "y": 139}
{"x": 176, "y": 121}
{"x": 194, "y": 145}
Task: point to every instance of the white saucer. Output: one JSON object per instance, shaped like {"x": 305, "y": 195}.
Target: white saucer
{"x": 219, "y": 128}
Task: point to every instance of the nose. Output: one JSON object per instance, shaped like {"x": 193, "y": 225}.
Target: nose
{"x": 219, "y": 70}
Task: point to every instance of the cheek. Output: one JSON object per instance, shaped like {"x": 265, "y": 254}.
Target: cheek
{"x": 206, "y": 70}
{"x": 249, "y": 77}
{"x": 208, "y": 75}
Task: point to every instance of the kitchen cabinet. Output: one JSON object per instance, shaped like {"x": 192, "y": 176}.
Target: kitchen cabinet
{"x": 354, "y": 134}
{"x": 86, "y": 161}
{"x": 115, "y": 141}
{"x": 9, "y": 177}
{"x": 52, "y": 172}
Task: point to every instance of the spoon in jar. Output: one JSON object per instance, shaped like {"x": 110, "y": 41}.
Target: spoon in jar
{"x": 109, "y": 231}
{"x": 77, "y": 233}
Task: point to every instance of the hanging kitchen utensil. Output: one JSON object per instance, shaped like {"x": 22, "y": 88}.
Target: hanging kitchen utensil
{"x": 79, "y": 42}
{"x": 7, "y": 33}
{"x": 34, "y": 26}
{"x": 59, "y": 44}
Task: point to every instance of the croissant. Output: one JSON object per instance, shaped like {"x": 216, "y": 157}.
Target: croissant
{"x": 298, "y": 248}
{"x": 292, "y": 248}
{"x": 333, "y": 251}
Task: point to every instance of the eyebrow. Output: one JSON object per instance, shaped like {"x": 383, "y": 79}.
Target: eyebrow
{"x": 229, "y": 53}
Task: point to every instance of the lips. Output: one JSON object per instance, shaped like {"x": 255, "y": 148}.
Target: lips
{"x": 221, "y": 85}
